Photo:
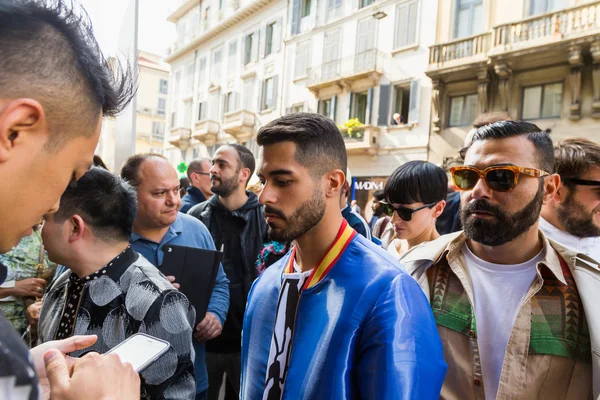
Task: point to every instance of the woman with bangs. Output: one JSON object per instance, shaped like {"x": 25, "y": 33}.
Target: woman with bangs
{"x": 415, "y": 196}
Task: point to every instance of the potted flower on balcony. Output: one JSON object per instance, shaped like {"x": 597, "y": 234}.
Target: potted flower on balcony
{"x": 352, "y": 129}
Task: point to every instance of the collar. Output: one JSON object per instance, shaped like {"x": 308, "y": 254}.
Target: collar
{"x": 174, "y": 230}
{"x": 196, "y": 193}
{"x": 450, "y": 246}
{"x": 342, "y": 240}
{"x": 113, "y": 269}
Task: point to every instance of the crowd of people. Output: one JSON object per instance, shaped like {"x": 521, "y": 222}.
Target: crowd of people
{"x": 476, "y": 282}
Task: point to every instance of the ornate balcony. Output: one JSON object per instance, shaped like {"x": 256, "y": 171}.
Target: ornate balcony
{"x": 362, "y": 140}
{"x": 367, "y": 65}
{"x": 460, "y": 52}
{"x": 206, "y": 131}
{"x": 240, "y": 124}
{"x": 179, "y": 135}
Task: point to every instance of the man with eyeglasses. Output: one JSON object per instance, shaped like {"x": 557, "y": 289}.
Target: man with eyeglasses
{"x": 199, "y": 190}
{"x": 572, "y": 217}
{"x": 517, "y": 313}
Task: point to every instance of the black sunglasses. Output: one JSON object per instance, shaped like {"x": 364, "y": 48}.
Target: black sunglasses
{"x": 582, "y": 182}
{"x": 404, "y": 213}
{"x": 202, "y": 173}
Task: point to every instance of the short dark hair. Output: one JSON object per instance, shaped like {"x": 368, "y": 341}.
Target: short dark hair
{"x": 246, "y": 158}
{"x": 575, "y": 156}
{"x": 319, "y": 144}
{"x": 98, "y": 162}
{"x": 417, "y": 182}
{"x": 48, "y": 52}
{"x": 379, "y": 195}
{"x": 196, "y": 166}
{"x": 131, "y": 167}
{"x": 507, "y": 129}
{"x": 106, "y": 203}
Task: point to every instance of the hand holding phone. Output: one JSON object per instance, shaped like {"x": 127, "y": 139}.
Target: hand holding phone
{"x": 140, "y": 350}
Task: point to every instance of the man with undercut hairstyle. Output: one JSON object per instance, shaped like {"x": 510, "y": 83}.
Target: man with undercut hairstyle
{"x": 572, "y": 217}
{"x": 110, "y": 290}
{"x": 335, "y": 318}
{"x": 517, "y": 312}
{"x": 55, "y": 88}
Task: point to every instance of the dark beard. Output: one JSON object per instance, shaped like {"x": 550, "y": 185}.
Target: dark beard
{"x": 227, "y": 186}
{"x": 506, "y": 227}
{"x": 306, "y": 217}
{"x": 577, "y": 222}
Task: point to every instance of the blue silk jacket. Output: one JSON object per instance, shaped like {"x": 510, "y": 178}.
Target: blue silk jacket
{"x": 364, "y": 330}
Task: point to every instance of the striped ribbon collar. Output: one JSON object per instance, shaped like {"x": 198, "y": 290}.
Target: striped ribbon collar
{"x": 342, "y": 240}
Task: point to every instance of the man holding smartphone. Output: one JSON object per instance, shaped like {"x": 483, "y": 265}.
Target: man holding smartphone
{"x": 55, "y": 88}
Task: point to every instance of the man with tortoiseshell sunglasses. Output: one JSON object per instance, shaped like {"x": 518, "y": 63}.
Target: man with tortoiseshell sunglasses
{"x": 516, "y": 311}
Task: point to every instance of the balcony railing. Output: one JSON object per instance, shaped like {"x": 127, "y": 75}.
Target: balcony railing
{"x": 571, "y": 22}
{"x": 240, "y": 124}
{"x": 441, "y": 54}
{"x": 347, "y": 68}
{"x": 361, "y": 140}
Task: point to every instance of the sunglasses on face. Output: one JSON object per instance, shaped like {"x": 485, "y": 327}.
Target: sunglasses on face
{"x": 499, "y": 179}
{"x": 582, "y": 182}
{"x": 404, "y": 213}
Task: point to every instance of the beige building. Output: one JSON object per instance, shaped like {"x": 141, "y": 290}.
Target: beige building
{"x": 151, "y": 103}
{"x": 538, "y": 60}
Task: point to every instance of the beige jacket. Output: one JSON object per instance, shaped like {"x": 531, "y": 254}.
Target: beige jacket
{"x": 526, "y": 373}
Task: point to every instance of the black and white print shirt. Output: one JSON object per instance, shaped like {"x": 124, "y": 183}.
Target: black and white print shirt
{"x": 127, "y": 296}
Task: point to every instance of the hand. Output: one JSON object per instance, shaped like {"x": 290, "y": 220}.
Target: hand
{"x": 171, "y": 279}
{"x": 63, "y": 346}
{"x": 30, "y": 287}
{"x": 93, "y": 376}
{"x": 33, "y": 313}
{"x": 209, "y": 328}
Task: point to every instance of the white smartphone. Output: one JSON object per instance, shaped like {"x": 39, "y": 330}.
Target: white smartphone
{"x": 140, "y": 350}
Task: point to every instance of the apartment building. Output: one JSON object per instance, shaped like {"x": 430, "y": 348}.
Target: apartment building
{"x": 537, "y": 60}
{"x": 364, "y": 60}
{"x": 227, "y": 66}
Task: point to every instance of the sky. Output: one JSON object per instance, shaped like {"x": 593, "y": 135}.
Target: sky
{"x": 155, "y": 32}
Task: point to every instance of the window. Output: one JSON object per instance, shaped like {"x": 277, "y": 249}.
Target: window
{"x": 365, "y": 45}
{"x": 230, "y": 100}
{"x": 331, "y": 55}
{"x": 162, "y": 106}
{"x": 164, "y": 86}
{"x": 401, "y": 100}
{"x": 334, "y": 9}
{"x": 364, "y": 3}
{"x": 306, "y": 5}
{"x": 202, "y": 71}
{"x": 267, "y": 94}
{"x": 158, "y": 130}
{"x": 360, "y": 106}
{"x": 216, "y": 66}
{"x": 327, "y": 107}
{"x": 406, "y": 24}
{"x": 463, "y": 110}
{"x": 545, "y": 6}
{"x": 202, "y": 106}
{"x": 173, "y": 119}
{"x": 232, "y": 59}
{"x": 302, "y": 57}
{"x": 206, "y": 21}
{"x": 250, "y": 44}
{"x": 297, "y": 108}
{"x": 543, "y": 101}
{"x": 248, "y": 100}
{"x": 469, "y": 18}
{"x": 270, "y": 36}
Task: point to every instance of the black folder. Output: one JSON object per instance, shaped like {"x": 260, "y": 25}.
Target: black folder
{"x": 195, "y": 270}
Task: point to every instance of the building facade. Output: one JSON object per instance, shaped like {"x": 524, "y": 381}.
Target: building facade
{"x": 227, "y": 68}
{"x": 537, "y": 60}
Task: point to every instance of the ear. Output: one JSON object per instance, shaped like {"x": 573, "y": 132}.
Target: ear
{"x": 335, "y": 184}
{"x": 245, "y": 175}
{"x": 77, "y": 228}
{"x": 21, "y": 120}
{"x": 551, "y": 187}
{"x": 438, "y": 209}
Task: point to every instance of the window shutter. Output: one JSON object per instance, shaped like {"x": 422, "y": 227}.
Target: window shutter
{"x": 401, "y": 23}
{"x": 255, "y": 44}
{"x": 296, "y": 16}
{"x": 204, "y": 109}
{"x": 384, "y": 105}
{"x": 237, "y": 101}
{"x": 350, "y": 105}
{"x": 369, "y": 106}
{"x": 261, "y": 89}
{"x": 412, "y": 23}
{"x": 414, "y": 102}
{"x": 333, "y": 108}
{"x": 319, "y": 103}
{"x": 275, "y": 92}
{"x": 277, "y": 37}
{"x": 222, "y": 110}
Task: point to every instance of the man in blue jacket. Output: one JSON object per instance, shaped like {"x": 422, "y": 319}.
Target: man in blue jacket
{"x": 336, "y": 318}
{"x": 158, "y": 223}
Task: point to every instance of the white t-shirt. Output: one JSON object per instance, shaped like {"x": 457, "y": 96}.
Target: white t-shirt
{"x": 498, "y": 291}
